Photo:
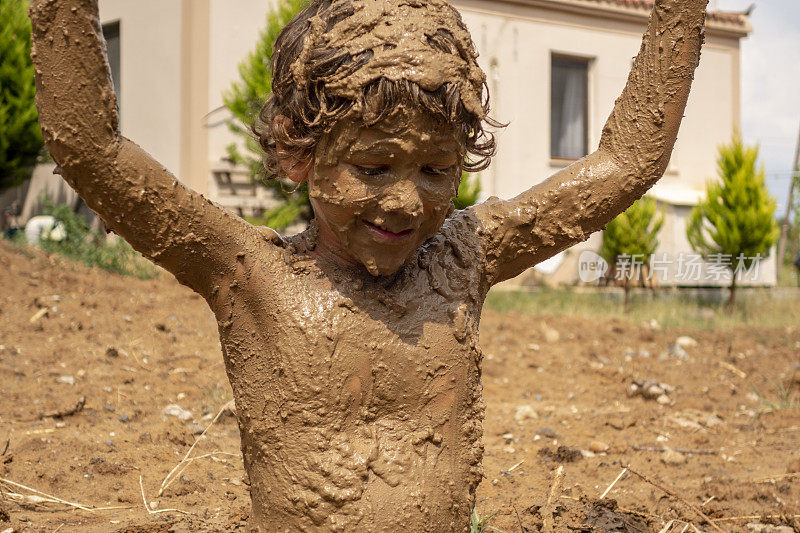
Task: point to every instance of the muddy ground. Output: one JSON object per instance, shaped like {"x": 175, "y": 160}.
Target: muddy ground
{"x": 562, "y": 418}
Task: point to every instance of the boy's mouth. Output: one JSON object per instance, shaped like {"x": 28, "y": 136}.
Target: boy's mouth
{"x": 387, "y": 234}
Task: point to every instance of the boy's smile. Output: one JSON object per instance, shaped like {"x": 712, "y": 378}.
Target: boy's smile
{"x": 380, "y": 192}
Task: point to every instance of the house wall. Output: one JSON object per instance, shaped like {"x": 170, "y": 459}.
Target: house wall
{"x": 515, "y": 43}
{"x": 233, "y": 34}
{"x": 151, "y": 74}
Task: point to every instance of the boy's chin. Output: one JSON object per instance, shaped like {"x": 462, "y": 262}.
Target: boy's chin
{"x": 383, "y": 264}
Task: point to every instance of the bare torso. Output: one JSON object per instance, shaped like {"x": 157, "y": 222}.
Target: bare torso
{"x": 359, "y": 397}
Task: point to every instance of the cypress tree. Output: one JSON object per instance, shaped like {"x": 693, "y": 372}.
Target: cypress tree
{"x": 631, "y": 239}
{"x": 736, "y": 220}
{"x": 20, "y": 136}
{"x": 245, "y": 98}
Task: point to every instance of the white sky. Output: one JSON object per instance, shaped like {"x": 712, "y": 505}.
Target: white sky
{"x": 771, "y": 86}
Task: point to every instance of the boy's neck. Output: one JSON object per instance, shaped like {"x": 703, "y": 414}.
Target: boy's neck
{"x": 326, "y": 250}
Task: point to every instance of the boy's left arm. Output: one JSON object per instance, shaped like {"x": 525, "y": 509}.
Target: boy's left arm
{"x": 634, "y": 151}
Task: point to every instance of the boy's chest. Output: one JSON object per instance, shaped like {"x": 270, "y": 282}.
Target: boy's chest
{"x": 370, "y": 351}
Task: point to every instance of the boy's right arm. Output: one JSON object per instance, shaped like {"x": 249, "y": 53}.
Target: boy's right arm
{"x": 133, "y": 194}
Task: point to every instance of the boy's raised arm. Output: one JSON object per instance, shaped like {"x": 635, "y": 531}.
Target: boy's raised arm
{"x": 134, "y": 195}
{"x": 635, "y": 148}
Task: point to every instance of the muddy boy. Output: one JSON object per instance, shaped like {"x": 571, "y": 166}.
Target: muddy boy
{"x": 352, "y": 348}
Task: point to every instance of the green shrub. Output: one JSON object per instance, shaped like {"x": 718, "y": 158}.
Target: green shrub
{"x": 20, "y": 137}
{"x": 736, "y": 220}
{"x": 90, "y": 248}
{"x": 468, "y": 191}
{"x": 632, "y": 237}
{"x": 244, "y": 100}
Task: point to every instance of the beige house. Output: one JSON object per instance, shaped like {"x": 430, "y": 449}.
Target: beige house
{"x": 554, "y": 69}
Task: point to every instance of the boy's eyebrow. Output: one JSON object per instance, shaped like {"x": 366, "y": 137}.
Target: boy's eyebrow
{"x": 389, "y": 147}
{"x": 371, "y": 149}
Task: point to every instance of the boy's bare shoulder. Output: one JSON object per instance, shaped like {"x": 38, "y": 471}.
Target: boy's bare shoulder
{"x": 454, "y": 257}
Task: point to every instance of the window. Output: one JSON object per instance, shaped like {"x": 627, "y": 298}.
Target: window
{"x": 111, "y": 34}
{"x": 569, "y": 102}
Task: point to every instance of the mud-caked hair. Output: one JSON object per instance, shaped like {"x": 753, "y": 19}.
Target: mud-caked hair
{"x": 311, "y": 109}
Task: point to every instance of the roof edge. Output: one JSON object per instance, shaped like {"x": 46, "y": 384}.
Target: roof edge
{"x": 724, "y": 23}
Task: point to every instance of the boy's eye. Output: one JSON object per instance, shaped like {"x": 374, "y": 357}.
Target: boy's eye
{"x": 433, "y": 171}
{"x": 372, "y": 171}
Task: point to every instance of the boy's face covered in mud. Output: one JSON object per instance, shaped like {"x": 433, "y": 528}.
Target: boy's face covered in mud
{"x": 380, "y": 192}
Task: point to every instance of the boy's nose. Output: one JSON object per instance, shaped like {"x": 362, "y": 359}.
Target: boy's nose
{"x": 403, "y": 198}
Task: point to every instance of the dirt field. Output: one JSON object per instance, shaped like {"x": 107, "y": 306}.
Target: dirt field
{"x": 561, "y": 423}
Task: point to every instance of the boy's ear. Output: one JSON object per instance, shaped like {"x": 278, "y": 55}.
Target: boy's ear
{"x": 294, "y": 167}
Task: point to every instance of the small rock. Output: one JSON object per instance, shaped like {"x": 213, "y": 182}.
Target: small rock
{"x": 196, "y": 429}
{"x": 109, "y": 408}
{"x": 547, "y": 433}
{"x": 671, "y": 457}
{"x": 154, "y": 504}
{"x": 675, "y": 351}
{"x": 649, "y": 389}
{"x": 663, "y": 400}
{"x": 124, "y": 418}
{"x": 508, "y": 437}
{"x": 67, "y": 380}
{"x": 550, "y": 335}
{"x": 598, "y": 446}
{"x": 112, "y": 352}
{"x": 110, "y": 443}
{"x": 686, "y": 342}
{"x": 524, "y": 412}
{"x": 758, "y": 527}
{"x": 177, "y": 411}
{"x": 509, "y": 449}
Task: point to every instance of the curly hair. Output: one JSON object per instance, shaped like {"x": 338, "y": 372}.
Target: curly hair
{"x": 311, "y": 109}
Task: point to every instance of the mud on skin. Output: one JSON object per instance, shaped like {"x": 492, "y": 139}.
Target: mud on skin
{"x": 358, "y": 395}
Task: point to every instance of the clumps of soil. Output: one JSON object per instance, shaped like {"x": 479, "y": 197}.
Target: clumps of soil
{"x": 4, "y": 514}
{"x": 563, "y": 454}
{"x": 604, "y": 515}
{"x": 587, "y": 515}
